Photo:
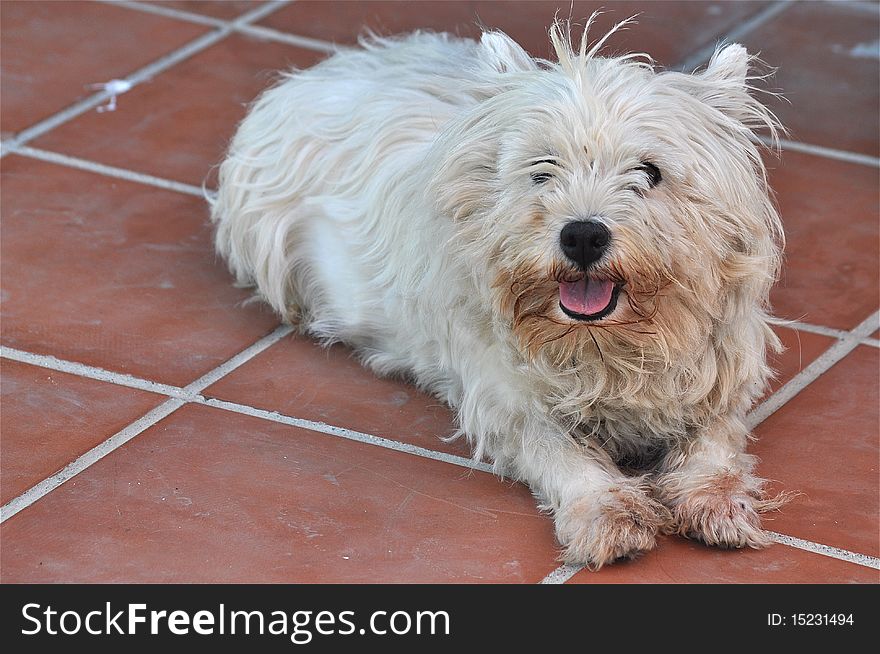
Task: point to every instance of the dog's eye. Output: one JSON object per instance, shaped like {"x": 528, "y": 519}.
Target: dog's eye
{"x": 542, "y": 176}
{"x": 653, "y": 173}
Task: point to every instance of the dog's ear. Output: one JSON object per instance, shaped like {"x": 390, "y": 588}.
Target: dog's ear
{"x": 726, "y": 86}
{"x": 729, "y": 66}
{"x": 504, "y": 54}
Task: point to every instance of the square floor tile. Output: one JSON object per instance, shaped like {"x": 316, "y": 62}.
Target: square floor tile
{"x": 50, "y": 418}
{"x": 207, "y": 495}
{"x": 825, "y": 444}
{"x": 179, "y": 125}
{"x": 680, "y": 561}
{"x": 51, "y": 50}
{"x": 828, "y": 71}
{"x": 658, "y": 32}
{"x": 831, "y": 274}
{"x": 116, "y": 275}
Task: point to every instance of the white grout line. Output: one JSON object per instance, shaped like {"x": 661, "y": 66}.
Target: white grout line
{"x": 239, "y": 359}
{"x": 127, "y": 433}
{"x": 82, "y": 370}
{"x": 348, "y": 434}
{"x": 827, "y": 550}
{"x": 108, "y": 171}
{"x": 169, "y": 12}
{"x": 258, "y": 31}
{"x": 815, "y": 329}
{"x": 95, "y": 454}
{"x": 562, "y": 574}
{"x": 824, "y": 331}
{"x": 796, "y": 384}
{"x": 702, "y": 55}
{"x": 565, "y": 572}
{"x": 141, "y": 75}
{"x": 822, "y": 151}
{"x": 191, "y": 393}
{"x": 262, "y": 32}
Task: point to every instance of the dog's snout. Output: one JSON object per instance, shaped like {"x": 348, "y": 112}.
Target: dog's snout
{"x": 584, "y": 241}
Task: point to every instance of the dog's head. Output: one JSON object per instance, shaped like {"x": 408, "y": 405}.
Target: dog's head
{"x": 608, "y": 207}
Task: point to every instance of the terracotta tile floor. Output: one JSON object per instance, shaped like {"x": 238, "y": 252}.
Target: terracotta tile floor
{"x": 156, "y": 428}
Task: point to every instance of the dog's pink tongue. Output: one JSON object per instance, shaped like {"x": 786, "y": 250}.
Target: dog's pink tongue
{"x": 586, "y": 296}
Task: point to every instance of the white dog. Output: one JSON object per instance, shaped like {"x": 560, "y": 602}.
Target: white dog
{"x": 575, "y": 255}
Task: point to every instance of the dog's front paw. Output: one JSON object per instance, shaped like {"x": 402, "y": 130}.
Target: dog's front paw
{"x": 617, "y": 523}
{"x": 724, "y": 511}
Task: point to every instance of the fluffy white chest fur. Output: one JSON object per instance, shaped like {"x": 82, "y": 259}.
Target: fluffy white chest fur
{"x": 575, "y": 255}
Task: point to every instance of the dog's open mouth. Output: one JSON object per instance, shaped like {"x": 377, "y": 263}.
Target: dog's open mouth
{"x": 588, "y": 298}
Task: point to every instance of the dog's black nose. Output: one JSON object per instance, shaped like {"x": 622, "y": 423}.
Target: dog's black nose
{"x": 584, "y": 241}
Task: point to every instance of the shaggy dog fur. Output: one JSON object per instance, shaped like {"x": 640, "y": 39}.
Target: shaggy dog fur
{"x": 409, "y": 198}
